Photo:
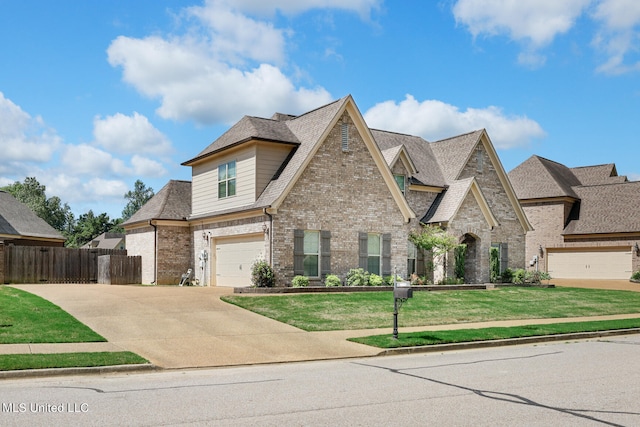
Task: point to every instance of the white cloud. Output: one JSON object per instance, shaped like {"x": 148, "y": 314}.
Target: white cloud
{"x": 618, "y": 34}
{"x": 204, "y": 76}
{"x": 84, "y": 159}
{"x": 22, "y": 137}
{"x": 143, "y": 166}
{"x": 535, "y": 23}
{"x": 434, "y": 120}
{"x": 129, "y": 134}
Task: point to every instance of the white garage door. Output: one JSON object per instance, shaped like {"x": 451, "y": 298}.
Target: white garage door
{"x": 593, "y": 264}
{"x": 234, "y": 257}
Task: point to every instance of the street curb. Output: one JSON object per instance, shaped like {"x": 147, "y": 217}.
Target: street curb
{"x": 94, "y": 370}
{"x": 506, "y": 342}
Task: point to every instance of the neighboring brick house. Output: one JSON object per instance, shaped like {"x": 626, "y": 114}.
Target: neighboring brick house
{"x": 586, "y": 219}
{"x": 321, "y": 193}
{"x": 160, "y": 233}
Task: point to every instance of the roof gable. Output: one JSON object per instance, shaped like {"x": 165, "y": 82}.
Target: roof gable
{"x": 446, "y": 206}
{"x": 453, "y": 154}
{"x": 18, "y": 221}
{"x": 538, "y": 178}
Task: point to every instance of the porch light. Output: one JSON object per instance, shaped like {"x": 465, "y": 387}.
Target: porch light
{"x": 265, "y": 229}
{"x": 540, "y": 250}
{"x": 637, "y": 249}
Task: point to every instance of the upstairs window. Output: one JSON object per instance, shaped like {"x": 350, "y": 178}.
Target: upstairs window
{"x": 400, "y": 179}
{"x": 227, "y": 180}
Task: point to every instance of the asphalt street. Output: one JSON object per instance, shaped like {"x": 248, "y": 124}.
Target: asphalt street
{"x": 581, "y": 383}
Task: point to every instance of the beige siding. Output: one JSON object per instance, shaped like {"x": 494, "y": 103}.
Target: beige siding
{"x": 269, "y": 159}
{"x": 205, "y": 182}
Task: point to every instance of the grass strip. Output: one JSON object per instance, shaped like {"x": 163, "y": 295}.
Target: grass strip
{"x": 27, "y": 318}
{"x": 13, "y": 362}
{"x": 425, "y": 338}
{"x": 344, "y": 311}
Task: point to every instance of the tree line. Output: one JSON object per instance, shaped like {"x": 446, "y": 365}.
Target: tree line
{"x": 78, "y": 231}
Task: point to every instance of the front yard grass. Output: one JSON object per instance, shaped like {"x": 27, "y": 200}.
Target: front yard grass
{"x": 412, "y": 339}
{"x": 28, "y": 319}
{"x": 344, "y": 311}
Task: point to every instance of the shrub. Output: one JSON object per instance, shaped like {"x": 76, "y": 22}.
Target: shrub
{"x": 544, "y": 275}
{"x": 460, "y": 257}
{"x": 519, "y": 276}
{"x": 636, "y": 275}
{"x": 388, "y": 280}
{"x": 300, "y": 282}
{"x": 332, "y": 280}
{"x": 507, "y": 276}
{"x": 375, "y": 280}
{"x": 357, "y": 277}
{"x": 262, "y": 275}
{"x": 494, "y": 264}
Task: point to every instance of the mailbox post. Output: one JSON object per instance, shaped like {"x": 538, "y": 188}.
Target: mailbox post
{"x": 401, "y": 292}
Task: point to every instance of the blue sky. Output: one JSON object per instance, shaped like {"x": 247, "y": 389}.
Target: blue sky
{"x": 94, "y": 95}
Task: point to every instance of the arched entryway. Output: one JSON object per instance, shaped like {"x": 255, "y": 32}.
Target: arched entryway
{"x": 471, "y": 265}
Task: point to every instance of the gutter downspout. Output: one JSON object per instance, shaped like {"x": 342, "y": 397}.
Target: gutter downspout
{"x": 270, "y": 236}
{"x": 155, "y": 252}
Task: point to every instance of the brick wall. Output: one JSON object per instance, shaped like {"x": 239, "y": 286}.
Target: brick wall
{"x": 174, "y": 254}
{"x": 510, "y": 229}
{"x": 547, "y": 220}
{"x": 344, "y": 193}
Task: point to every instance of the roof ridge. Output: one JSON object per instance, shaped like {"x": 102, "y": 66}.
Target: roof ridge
{"x": 458, "y": 136}
{"x": 593, "y": 166}
{"x": 397, "y": 133}
{"x": 319, "y": 108}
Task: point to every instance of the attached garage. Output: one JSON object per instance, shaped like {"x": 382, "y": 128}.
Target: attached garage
{"x": 613, "y": 263}
{"x": 234, "y": 257}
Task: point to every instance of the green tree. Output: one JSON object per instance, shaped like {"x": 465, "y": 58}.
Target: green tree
{"x": 136, "y": 199}
{"x": 89, "y": 226}
{"x": 52, "y": 210}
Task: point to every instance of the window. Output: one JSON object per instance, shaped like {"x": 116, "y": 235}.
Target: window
{"x": 227, "y": 180}
{"x": 345, "y": 136}
{"x": 373, "y": 253}
{"x": 400, "y": 179}
{"x": 412, "y": 254}
{"x": 311, "y": 253}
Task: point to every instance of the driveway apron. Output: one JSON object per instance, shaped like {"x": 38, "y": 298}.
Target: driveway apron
{"x": 187, "y": 327}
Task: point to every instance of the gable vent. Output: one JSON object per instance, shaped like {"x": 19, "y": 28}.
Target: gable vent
{"x": 345, "y": 137}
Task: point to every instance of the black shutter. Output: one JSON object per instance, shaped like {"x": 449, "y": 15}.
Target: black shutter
{"x": 386, "y": 255}
{"x": 298, "y": 252}
{"x": 363, "y": 250}
{"x": 420, "y": 270}
{"x": 504, "y": 257}
{"x": 325, "y": 253}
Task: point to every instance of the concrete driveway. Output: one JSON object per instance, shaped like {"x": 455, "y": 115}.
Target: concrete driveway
{"x": 186, "y": 327}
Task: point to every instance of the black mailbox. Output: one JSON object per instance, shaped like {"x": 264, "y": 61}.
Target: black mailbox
{"x": 402, "y": 292}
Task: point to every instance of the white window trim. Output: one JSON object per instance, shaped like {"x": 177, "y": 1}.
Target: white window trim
{"x": 227, "y": 179}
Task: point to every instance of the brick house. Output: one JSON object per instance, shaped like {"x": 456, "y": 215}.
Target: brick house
{"x": 586, "y": 219}
{"x": 321, "y": 193}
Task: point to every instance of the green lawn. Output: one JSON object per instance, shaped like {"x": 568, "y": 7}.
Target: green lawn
{"x": 28, "y": 319}
{"x": 344, "y": 311}
{"x": 423, "y": 338}
{"x": 14, "y": 362}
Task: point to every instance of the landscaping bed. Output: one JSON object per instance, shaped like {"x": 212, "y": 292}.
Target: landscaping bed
{"x": 334, "y": 289}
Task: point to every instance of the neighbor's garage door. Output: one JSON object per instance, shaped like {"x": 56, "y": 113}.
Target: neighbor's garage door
{"x": 234, "y": 257}
{"x": 592, "y": 264}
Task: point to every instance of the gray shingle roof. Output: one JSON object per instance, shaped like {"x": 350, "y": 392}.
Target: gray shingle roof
{"x": 452, "y": 154}
{"x": 447, "y": 203}
{"x": 172, "y": 202}
{"x": 538, "y": 178}
{"x": 16, "y": 219}
{"x": 420, "y": 151}
{"x": 599, "y": 174}
{"x": 610, "y": 208}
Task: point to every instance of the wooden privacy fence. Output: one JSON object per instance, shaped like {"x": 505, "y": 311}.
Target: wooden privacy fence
{"x": 119, "y": 269}
{"x": 47, "y": 264}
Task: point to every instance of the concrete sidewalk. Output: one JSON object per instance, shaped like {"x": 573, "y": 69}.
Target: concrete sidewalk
{"x": 189, "y": 327}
